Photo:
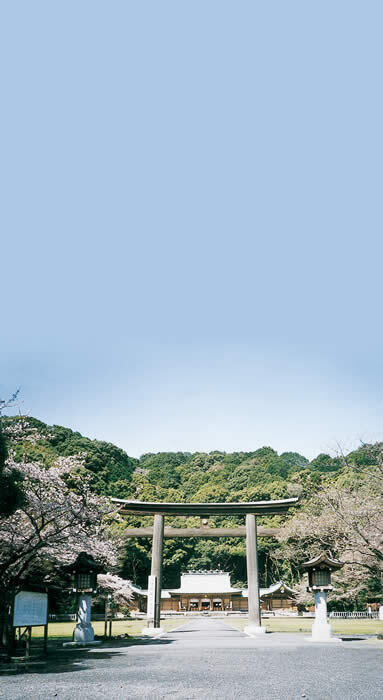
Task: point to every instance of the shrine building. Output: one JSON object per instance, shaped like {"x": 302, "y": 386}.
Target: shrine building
{"x": 206, "y": 591}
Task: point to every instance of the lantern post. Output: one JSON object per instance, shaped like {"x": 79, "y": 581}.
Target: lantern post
{"x": 84, "y": 582}
{"x": 319, "y": 571}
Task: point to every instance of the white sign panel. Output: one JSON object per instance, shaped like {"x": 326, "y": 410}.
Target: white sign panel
{"x": 151, "y": 597}
{"x": 30, "y": 609}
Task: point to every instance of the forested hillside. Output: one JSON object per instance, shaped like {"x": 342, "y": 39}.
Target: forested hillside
{"x": 181, "y": 476}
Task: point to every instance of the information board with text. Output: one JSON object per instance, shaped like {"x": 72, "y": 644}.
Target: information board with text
{"x": 30, "y": 609}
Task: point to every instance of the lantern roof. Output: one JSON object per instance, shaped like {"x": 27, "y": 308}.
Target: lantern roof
{"x": 84, "y": 564}
{"x": 323, "y": 560}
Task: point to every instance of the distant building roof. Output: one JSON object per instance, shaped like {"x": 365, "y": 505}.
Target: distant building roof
{"x": 278, "y": 587}
{"x": 206, "y": 582}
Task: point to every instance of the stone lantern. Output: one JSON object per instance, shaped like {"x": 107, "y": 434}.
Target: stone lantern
{"x": 319, "y": 571}
{"x": 84, "y": 582}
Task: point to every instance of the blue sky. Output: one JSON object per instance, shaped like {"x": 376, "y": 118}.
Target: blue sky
{"x": 191, "y": 253}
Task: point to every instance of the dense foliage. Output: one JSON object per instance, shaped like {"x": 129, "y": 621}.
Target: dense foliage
{"x": 240, "y": 476}
{"x": 216, "y": 476}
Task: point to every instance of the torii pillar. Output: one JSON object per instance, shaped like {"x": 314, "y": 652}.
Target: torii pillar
{"x": 155, "y": 580}
{"x": 156, "y": 569}
{"x": 254, "y": 627}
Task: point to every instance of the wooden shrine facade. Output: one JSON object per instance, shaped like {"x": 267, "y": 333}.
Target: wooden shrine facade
{"x": 211, "y": 591}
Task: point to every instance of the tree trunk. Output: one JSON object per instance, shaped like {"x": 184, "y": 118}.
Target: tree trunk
{"x": 6, "y": 630}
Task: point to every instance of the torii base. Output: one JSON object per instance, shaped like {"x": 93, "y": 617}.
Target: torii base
{"x": 82, "y": 644}
{"x": 254, "y": 630}
{"x": 153, "y": 631}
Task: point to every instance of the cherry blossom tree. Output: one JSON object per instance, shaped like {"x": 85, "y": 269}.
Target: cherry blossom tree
{"x": 346, "y": 517}
{"x": 59, "y": 517}
{"x": 11, "y": 494}
{"x": 113, "y": 590}
{"x": 119, "y": 588}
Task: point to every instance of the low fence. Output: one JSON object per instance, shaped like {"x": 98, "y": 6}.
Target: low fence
{"x": 72, "y": 617}
{"x": 64, "y": 617}
{"x": 356, "y": 614}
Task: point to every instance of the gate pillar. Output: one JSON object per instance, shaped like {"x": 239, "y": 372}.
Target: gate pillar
{"x": 156, "y": 570}
{"x": 154, "y": 623}
{"x": 254, "y": 626}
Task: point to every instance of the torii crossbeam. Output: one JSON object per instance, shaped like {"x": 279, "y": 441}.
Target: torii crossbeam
{"x": 250, "y": 510}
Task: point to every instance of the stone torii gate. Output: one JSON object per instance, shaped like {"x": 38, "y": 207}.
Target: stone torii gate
{"x": 251, "y": 510}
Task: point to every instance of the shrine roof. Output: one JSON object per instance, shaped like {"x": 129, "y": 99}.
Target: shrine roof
{"x": 214, "y": 582}
{"x": 206, "y": 582}
{"x": 278, "y": 587}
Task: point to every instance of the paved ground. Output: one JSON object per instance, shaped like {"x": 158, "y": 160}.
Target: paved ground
{"x": 207, "y": 659}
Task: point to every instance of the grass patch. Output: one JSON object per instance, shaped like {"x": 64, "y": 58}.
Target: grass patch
{"x": 64, "y": 630}
{"x": 304, "y": 624}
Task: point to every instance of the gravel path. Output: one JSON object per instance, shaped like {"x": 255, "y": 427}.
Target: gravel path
{"x": 207, "y": 658}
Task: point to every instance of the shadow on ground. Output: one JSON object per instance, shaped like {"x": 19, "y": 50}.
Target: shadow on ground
{"x": 63, "y": 660}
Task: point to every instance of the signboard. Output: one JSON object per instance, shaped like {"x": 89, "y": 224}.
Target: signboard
{"x": 30, "y": 609}
{"x": 151, "y": 597}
